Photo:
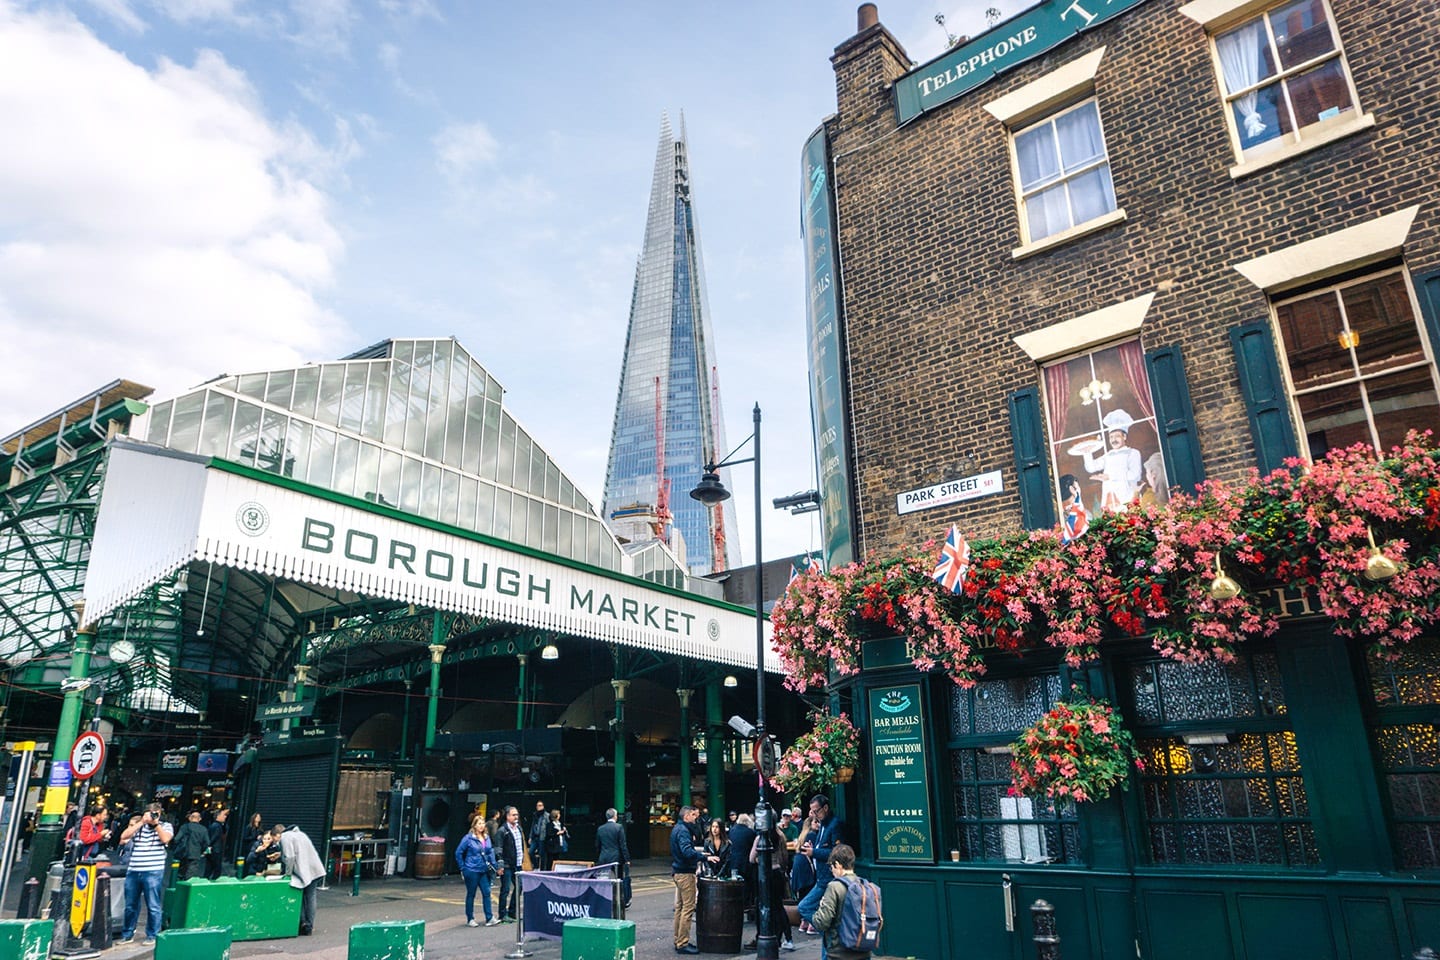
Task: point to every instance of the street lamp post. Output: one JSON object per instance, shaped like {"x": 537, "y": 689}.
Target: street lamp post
{"x": 711, "y": 491}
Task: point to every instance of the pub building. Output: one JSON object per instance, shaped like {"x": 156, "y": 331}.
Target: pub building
{"x": 1092, "y": 256}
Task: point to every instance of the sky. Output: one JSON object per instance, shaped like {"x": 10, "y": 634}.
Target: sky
{"x": 197, "y": 187}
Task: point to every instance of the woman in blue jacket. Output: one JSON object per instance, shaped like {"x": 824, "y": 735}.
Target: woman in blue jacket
{"x": 476, "y": 857}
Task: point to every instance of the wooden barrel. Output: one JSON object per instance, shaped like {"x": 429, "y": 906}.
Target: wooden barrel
{"x": 430, "y": 860}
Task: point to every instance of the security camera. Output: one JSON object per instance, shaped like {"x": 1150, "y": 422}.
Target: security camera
{"x": 742, "y": 726}
{"x": 71, "y": 684}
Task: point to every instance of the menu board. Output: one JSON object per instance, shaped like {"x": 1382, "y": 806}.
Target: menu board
{"x": 902, "y": 789}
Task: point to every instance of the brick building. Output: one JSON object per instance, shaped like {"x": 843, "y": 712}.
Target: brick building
{"x": 1106, "y": 249}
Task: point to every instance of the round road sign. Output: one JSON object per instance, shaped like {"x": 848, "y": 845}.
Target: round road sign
{"x": 87, "y": 755}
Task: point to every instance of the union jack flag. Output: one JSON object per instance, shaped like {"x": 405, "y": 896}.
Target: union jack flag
{"x": 812, "y": 567}
{"x": 954, "y": 561}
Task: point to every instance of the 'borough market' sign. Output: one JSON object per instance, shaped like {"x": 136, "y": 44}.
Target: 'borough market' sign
{"x": 902, "y": 793}
{"x": 1022, "y": 38}
{"x": 172, "y": 509}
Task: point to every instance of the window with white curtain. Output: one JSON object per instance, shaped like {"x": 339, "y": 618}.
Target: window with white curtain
{"x": 1064, "y": 172}
{"x": 1284, "y": 76}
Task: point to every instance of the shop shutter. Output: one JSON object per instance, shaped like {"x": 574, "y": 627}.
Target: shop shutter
{"x": 1175, "y": 418}
{"x": 1427, "y": 286}
{"x": 1032, "y": 468}
{"x": 297, "y": 791}
{"x": 1265, "y": 397}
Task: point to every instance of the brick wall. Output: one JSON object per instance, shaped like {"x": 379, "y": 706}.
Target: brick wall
{"x": 928, "y": 220}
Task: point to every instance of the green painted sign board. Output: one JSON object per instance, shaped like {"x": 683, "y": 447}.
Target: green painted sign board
{"x": 885, "y": 652}
{"x": 285, "y": 711}
{"x": 1022, "y": 38}
{"x": 902, "y": 787}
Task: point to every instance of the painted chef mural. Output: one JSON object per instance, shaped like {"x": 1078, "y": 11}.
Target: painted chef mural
{"x": 1105, "y": 448}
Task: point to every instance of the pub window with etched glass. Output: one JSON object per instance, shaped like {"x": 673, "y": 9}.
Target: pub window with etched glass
{"x": 1104, "y": 444}
{"x": 1284, "y": 77}
{"x": 1222, "y": 783}
{"x": 1063, "y": 171}
{"x": 1358, "y": 364}
{"x": 990, "y": 824}
{"x": 1404, "y": 724}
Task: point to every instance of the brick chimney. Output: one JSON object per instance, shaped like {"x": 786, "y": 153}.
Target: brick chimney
{"x": 865, "y": 67}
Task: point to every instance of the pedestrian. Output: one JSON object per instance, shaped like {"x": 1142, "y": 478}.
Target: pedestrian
{"x": 476, "y": 858}
{"x": 780, "y": 920}
{"x": 71, "y": 821}
{"x": 684, "y": 859}
{"x": 832, "y": 904}
{"x": 717, "y": 843}
{"x": 27, "y": 831}
{"x": 305, "y": 868}
{"x": 742, "y": 838}
{"x": 265, "y": 853}
{"x": 148, "y": 836}
{"x": 540, "y": 838}
{"x": 802, "y": 868}
{"x": 558, "y": 840}
{"x": 511, "y": 862}
{"x": 822, "y": 839}
{"x": 190, "y": 845}
{"x": 611, "y": 847}
{"x": 249, "y": 840}
{"x": 94, "y": 831}
{"x": 218, "y": 831}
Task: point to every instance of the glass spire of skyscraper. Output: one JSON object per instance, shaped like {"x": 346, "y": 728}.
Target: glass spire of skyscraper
{"x": 669, "y": 399}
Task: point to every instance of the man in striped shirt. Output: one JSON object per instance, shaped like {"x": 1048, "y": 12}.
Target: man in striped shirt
{"x": 148, "y": 835}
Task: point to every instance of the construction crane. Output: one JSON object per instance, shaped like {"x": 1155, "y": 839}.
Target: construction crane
{"x": 662, "y": 484}
{"x": 717, "y": 563}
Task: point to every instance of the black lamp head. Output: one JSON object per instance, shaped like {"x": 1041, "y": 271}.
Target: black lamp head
{"x": 710, "y": 490}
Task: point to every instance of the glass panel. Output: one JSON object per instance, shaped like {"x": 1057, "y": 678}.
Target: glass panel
{"x": 1413, "y": 678}
{"x": 430, "y": 491}
{"x": 1311, "y": 331}
{"x": 297, "y": 449}
{"x": 352, "y": 400}
{"x": 1320, "y": 94}
{"x": 1302, "y": 32}
{"x": 277, "y": 391}
{"x": 322, "y": 457}
{"x": 593, "y": 553}
{"x": 376, "y": 401}
{"x": 1402, "y": 402}
{"x": 474, "y": 423}
{"x": 501, "y": 526}
{"x": 565, "y": 540}
{"x": 1379, "y": 313}
{"x": 1091, "y": 194}
{"x": 347, "y": 457}
{"x": 419, "y": 396}
{"x": 410, "y": 474}
{"x": 389, "y": 489}
{"x": 215, "y": 436}
{"x": 1079, "y": 137}
{"x": 159, "y": 431}
{"x": 550, "y": 539}
{"x": 485, "y": 509}
{"x": 490, "y": 446}
{"x": 1048, "y": 212}
{"x": 1036, "y": 153}
{"x": 455, "y": 409}
{"x": 332, "y": 385}
{"x": 246, "y": 435}
{"x": 992, "y": 825}
{"x": 252, "y": 385}
{"x": 367, "y": 471}
{"x": 437, "y": 415}
{"x": 449, "y": 496}
{"x": 307, "y": 387}
{"x": 1262, "y": 118}
{"x": 469, "y": 491}
{"x": 1333, "y": 418}
{"x": 505, "y": 467}
{"x": 271, "y": 454}
{"x": 398, "y": 402}
{"x": 524, "y": 449}
{"x": 1245, "y": 57}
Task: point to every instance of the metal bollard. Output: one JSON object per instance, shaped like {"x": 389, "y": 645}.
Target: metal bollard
{"x": 1047, "y": 940}
{"x": 29, "y": 900}
{"x": 355, "y": 877}
{"x": 100, "y": 915}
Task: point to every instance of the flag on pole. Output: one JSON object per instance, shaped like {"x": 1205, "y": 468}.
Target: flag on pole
{"x": 812, "y": 567}
{"x": 954, "y": 561}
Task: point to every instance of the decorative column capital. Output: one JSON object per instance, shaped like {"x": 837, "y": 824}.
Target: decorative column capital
{"x": 437, "y": 651}
{"x": 684, "y": 693}
{"x": 302, "y": 672}
{"x": 620, "y": 687}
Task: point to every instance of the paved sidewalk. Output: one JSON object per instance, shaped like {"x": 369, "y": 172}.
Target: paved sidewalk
{"x": 441, "y": 904}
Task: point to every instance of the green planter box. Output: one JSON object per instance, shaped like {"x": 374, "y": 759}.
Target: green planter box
{"x": 388, "y": 940}
{"x": 595, "y": 939}
{"x": 25, "y": 939}
{"x": 254, "y": 908}
{"x": 198, "y": 943}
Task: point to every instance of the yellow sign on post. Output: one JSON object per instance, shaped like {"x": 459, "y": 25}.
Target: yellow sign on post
{"x": 82, "y": 902}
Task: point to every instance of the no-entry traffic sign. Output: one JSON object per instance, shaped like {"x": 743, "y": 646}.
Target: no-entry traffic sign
{"x": 87, "y": 755}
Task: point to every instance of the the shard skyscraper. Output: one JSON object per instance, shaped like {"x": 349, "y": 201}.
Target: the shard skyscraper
{"x": 667, "y": 414}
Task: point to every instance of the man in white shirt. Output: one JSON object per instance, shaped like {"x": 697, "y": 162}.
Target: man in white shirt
{"x": 147, "y": 836}
{"x": 305, "y": 868}
{"x": 511, "y": 843}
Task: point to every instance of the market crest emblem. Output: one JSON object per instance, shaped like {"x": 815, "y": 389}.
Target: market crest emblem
{"x": 252, "y": 518}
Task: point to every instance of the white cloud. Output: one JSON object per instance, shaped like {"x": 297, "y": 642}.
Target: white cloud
{"x": 203, "y": 11}
{"x": 462, "y": 147}
{"x": 154, "y": 224}
{"x": 120, "y": 12}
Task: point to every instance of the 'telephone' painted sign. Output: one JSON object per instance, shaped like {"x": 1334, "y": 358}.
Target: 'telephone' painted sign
{"x": 902, "y": 789}
{"x": 1023, "y": 38}
{"x": 951, "y": 491}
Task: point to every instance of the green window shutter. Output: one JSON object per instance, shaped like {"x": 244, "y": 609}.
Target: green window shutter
{"x": 1032, "y": 467}
{"x": 1427, "y": 286}
{"x": 1175, "y": 418}
{"x": 1265, "y": 397}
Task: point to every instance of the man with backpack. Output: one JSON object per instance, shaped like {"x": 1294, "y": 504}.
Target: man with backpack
{"x": 849, "y": 912}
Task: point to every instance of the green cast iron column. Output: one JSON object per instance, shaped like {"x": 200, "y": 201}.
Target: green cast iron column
{"x": 684, "y": 694}
{"x": 302, "y": 671}
{"x": 714, "y": 749}
{"x": 620, "y": 687}
{"x": 405, "y": 721}
{"x": 520, "y": 692}
{"x": 45, "y": 846}
{"x": 437, "y": 653}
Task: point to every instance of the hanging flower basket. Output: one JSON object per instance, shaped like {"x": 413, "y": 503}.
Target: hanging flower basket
{"x": 1078, "y": 752}
{"x": 826, "y": 755}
